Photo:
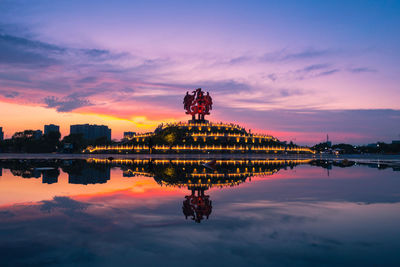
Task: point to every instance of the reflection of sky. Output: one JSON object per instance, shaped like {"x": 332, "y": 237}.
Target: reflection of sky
{"x": 19, "y": 190}
{"x": 295, "y": 217}
{"x": 297, "y": 70}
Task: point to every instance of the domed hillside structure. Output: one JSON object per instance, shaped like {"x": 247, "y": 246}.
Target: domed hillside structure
{"x": 199, "y": 136}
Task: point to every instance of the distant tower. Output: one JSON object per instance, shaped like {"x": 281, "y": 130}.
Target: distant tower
{"x": 328, "y": 143}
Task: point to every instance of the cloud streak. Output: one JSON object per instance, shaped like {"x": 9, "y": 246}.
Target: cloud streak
{"x": 66, "y": 104}
{"x": 362, "y": 69}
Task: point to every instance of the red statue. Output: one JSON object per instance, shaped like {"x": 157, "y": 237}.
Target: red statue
{"x": 198, "y": 103}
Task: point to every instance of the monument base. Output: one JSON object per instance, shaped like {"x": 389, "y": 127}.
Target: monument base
{"x": 198, "y": 121}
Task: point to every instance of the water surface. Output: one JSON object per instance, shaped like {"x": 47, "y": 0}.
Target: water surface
{"x": 179, "y": 212}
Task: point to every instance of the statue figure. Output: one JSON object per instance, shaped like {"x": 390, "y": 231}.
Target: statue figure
{"x": 197, "y": 103}
{"x": 209, "y": 103}
{"x": 200, "y": 102}
{"x": 187, "y": 102}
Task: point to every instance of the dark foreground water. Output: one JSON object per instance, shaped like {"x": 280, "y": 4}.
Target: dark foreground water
{"x": 233, "y": 212}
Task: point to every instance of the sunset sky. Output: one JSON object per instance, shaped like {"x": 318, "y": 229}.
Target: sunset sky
{"x": 295, "y": 69}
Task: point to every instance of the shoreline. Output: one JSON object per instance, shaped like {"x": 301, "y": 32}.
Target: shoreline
{"x": 199, "y": 156}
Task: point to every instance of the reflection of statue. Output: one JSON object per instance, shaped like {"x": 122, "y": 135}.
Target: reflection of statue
{"x": 197, "y": 207}
{"x": 198, "y": 103}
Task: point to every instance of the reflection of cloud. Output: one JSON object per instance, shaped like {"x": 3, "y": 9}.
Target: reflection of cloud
{"x": 63, "y": 203}
{"x": 6, "y": 214}
{"x": 267, "y": 233}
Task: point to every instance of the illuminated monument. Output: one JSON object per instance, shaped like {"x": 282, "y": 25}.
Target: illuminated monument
{"x": 197, "y": 104}
{"x": 198, "y": 135}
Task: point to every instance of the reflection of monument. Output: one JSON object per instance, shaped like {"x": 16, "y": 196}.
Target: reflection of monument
{"x": 197, "y": 206}
{"x": 90, "y": 176}
{"x": 198, "y": 176}
{"x": 82, "y": 172}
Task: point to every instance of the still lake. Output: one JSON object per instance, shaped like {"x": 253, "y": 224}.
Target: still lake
{"x": 228, "y": 211}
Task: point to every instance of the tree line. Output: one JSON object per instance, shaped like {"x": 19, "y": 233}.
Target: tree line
{"x": 29, "y": 142}
{"x": 378, "y": 148}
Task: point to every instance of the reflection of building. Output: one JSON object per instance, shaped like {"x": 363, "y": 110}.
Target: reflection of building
{"x": 50, "y": 176}
{"x": 51, "y": 128}
{"x": 26, "y": 173}
{"x": 328, "y": 164}
{"x": 89, "y": 175}
{"x": 91, "y": 132}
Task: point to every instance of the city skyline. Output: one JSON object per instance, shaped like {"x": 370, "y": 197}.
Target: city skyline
{"x": 295, "y": 70}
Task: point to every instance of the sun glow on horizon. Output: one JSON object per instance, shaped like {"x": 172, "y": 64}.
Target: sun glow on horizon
{"x": 18, "y": 117}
